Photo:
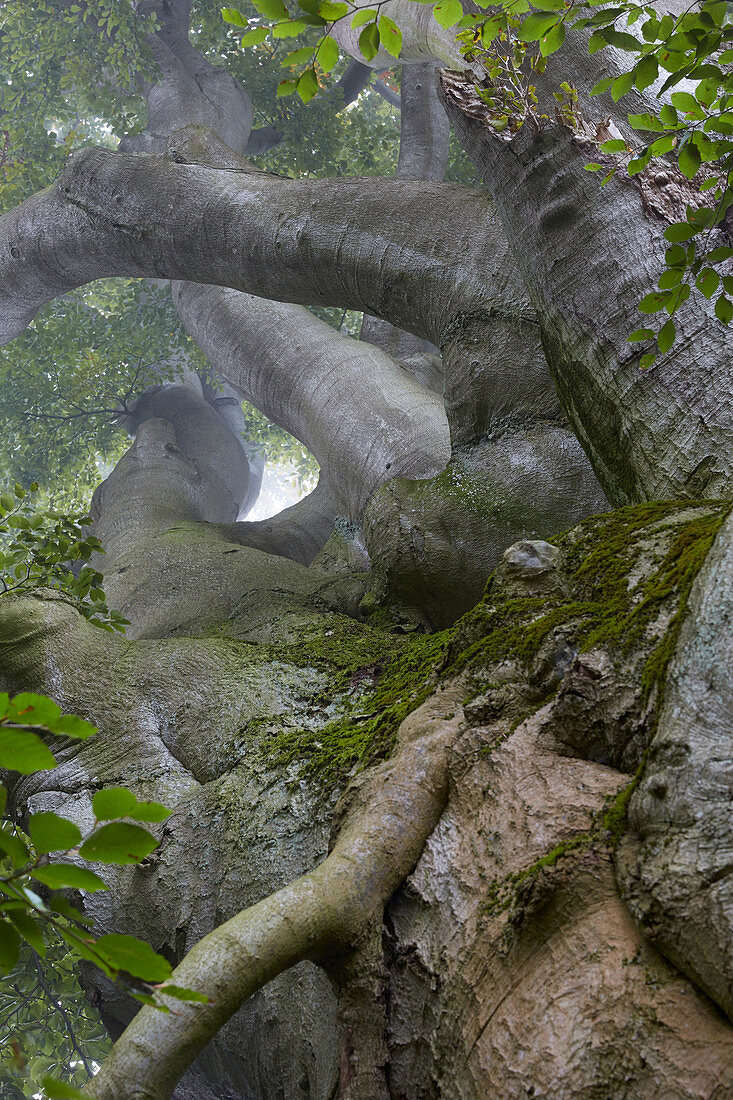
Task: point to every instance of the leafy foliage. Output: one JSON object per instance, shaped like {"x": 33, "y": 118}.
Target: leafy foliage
{"x": 52, "y": 550}
{"x": 512, "y": 43}
{"x": 47, "y": 1026}
{"x": 29, "y": 921}
{"x": 696, "y": 129}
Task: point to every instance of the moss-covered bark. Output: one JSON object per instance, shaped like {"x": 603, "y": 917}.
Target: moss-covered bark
{"x": 557, "y": 674}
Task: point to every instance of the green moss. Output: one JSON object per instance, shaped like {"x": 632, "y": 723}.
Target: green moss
{"x": 615, "y": 818}
{"x": 381, "y": 677}
{"x": 503, "y": 892}
{"x": 609, "y": 608}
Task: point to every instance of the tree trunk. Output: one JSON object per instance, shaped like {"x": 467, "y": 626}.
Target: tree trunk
{"x": 400, "y": 862}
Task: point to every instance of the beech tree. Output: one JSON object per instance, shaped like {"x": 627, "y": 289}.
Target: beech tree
{"x": 447, "y": 743}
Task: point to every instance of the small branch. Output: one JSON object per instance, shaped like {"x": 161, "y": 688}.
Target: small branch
{"x": 58, "y": 1007}
{"x": 386, "y": 93}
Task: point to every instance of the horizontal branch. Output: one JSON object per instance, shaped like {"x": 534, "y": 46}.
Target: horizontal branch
{"x": 413, "y": 252}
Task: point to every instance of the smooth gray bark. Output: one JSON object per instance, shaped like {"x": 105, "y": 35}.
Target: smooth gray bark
{"x": 357, "y": 411}
{"x": 416, "y": 254}
{"x": 665, "y": 432}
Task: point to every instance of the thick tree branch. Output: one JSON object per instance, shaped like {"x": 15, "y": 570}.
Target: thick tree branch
{"x": 417, "y": 254}
{"x": 356, "y": 410}
{"x": 322, "y": 915}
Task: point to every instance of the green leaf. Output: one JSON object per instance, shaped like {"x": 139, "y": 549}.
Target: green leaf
{"x": 233, "y": 16}
{"x": 61, "y": 1090}
{"x": 670, "y": 278}
{"x": 24, "y": 752}
{"x": 51, "y": 833}
{"x": 364, "y": 15}
{"x": 646, "y": 360}
{"x": 69, "y": 725}
{"x": 332, "y": 11}
{"x": 652, "y": 303}
{"x": 688, "y": 159}
{"x": 255, "y": 37}
{"x": 621, "y": 85}
{"x": 271, "y": 9}
{"x": 662, "y": 145}
{"x": 307, "y": 85}
{"x": 640, "y": 334}
{"x": 602, "y": 86}
{"x": 614, "y": 145}
{"x": 149, "y": 811}
{"x": 645, "y": 122}
{"x": 119, "y": 843}
{"x": 9, "y": 945}
{"x": 328, "y": 54}
{"x": 620, "y": 39}
{"x": 29, "y": 709}
{"x": 535, "y": 26}
{"x": 646, "y": 71}
{"x": 182, "y": 994}
{"x": 676, "y": 298}
{"x": 369, "y": 41}
{"x": 295, "y": 57}
{"x": 448, "y": 12}
{"x": 680, "y": 231}
{"x": 134, "y": 956}
{"x": 113, "y": 802}
{"x": 13, "y": 847}
{"x": 59, "y": 904}
{"x": 593, "y": 167}
{"x": 29, "y": 929}
{"x": 286, "y": 87}
{"x": 390, "y": 36}
{"x": 553, "y": 40}
{"x": 290, "y": 29}
{"x": 683, "y": 101}
{"x": 668, "y": 115}
{"x": 666, "y": 336}
{"x": 717, "y": 255}
{"x": 637, "y": 164}
{"x": 707, "y": 282}
{"x": 724, "y": 309}
{"x": 3, "y": 799}
{"x": 60, "y": 876}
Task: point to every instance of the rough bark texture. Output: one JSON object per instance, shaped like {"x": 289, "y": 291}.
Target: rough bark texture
{"x": 650, "y": 435}
{"x": 508, "y": 962}
{"x": 677, "y": 873}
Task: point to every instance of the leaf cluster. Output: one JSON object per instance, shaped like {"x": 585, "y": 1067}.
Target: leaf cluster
{"x": 52, "y": 550}
{"x": 40, "y": 862}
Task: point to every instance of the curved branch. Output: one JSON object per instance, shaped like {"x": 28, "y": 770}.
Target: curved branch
{"x": 298, "y": 532}
{"x": 323, "y": 914}
{"x": 362, "y": 417}
{"x": 415, "y": 253}
{"x": 423, "y": 39}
